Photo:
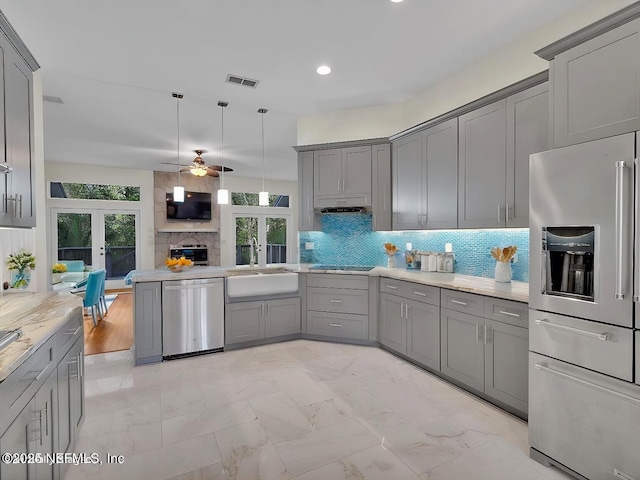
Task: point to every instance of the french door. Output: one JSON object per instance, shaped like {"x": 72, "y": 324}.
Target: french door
{"x": 268, "y": 233}
{"x": 101, "y": 238}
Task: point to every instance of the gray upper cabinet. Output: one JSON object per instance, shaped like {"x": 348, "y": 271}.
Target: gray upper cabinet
{"x": 381, "y": 187}
{"x": 16, "y": 84}
{"x": 148, "y": 322}
{"x": 425, "y": 178}
{"x": 527, "y": 133}
{"x": 307, "y": 220}
{"x": 596, "y": 87}
{"x": 481, "y": 169}
{"x": 406, "y": 180}
{"x": 342, "y": 177}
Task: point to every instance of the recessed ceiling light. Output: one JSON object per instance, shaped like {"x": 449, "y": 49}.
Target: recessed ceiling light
{"x": 323, "y": 70}
{"x": 396, "y": 1}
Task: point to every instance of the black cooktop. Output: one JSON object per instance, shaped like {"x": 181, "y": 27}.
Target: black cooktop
{"x": 353, "y": 268}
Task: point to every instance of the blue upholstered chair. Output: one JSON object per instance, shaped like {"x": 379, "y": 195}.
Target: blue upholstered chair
{"x": 95, "y": 285}
{"x": 103, "y": 300}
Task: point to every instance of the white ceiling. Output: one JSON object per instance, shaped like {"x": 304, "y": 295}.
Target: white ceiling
{"x": 115, "y": 63}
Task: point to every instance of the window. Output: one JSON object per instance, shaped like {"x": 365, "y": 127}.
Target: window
{"x": 89, "y": 191}
{"x": 251, "y": 199}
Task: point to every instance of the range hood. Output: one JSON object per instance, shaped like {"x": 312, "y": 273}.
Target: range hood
{"x": 334, "y": 210}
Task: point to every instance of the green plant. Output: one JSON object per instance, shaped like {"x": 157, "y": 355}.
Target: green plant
{"x": 21, "y": 261}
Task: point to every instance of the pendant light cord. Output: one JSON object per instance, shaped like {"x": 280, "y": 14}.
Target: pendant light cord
{"x": 222, "y": 148}
{"x": 178, "y": 152}
{"x": 262, "y": 113}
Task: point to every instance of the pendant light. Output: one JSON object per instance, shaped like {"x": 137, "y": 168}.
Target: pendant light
{"x": 223, "y": 193}
{"x": 178, "y": 191}
{"x": 263, "y": 196}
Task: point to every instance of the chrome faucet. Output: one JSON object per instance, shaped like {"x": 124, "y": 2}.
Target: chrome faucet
{"x": 252, "y": 242}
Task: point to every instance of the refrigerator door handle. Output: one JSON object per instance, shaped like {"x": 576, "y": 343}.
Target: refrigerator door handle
{"x": 636, "y": 284}
{"x": 619, "y": 291}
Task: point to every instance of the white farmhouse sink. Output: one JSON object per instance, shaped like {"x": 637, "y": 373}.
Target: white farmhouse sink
{"x": 261, "y": 283}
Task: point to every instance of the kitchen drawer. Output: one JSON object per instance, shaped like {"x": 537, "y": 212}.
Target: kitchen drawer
{"x": 506, "y": 311}
{"x": 584, "y": 420}
{"x": 66, "y": 336}
{"x": 462, "y": 302}
{"x": 20, "y": 386}
{"x": 597, "y": 346}
{"x": 338, "y": 300}
{"x": 343, "y": 325}
{"x": 414, "y": 291}
{"x": 337, "y": 280}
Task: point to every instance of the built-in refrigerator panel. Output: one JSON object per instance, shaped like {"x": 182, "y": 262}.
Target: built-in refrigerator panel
{"x": 584, "y": 192}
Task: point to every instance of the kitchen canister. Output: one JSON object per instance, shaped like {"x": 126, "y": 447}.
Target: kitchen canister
{"x": 503, "y": 272}
{"x": 445, "y": 262}
{"x": 429, "y": 262}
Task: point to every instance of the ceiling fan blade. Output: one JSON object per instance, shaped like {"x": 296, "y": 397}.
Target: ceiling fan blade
{"x": 218, "y": 168}
{"x": 212, "y": 173}
{"x": 177, "y": 164}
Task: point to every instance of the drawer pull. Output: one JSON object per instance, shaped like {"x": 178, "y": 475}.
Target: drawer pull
{"x": 458, "y": 302}
{"x": 595, "y": 386}
{"x": 391, "y": 287}
{"x": 600, "y": 336}
{"x": 335, "y": 324}
{"x": 333, "y": 300}
{"x": 510, "y": 314}
{"x": 420, "y": 293}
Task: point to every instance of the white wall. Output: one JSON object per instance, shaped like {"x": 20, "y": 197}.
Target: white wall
{"x": 254, "y": 185}
{"x": 66, "y": 172}
{"x": 500, "y": 69}
{"x": 32, "y": 239}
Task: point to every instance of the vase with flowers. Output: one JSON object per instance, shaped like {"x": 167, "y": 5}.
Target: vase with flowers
{"x": 20, "y": 264}
{"x": 57, "y": 269}
{"x": 390, "y": 249}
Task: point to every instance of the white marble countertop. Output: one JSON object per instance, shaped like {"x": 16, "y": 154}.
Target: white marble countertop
{"x": 517, "y": 291}
{"x": 39, "y": 315}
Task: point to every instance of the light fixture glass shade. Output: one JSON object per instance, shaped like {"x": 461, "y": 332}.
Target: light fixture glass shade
{"x": 223, "y": 196}
{"x": 263, "y": 199}
{"x": 198, "y": 171}
{"x": 178, "y": 194}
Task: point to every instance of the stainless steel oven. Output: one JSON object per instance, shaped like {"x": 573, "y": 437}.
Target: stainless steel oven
{"x": 198, "y": 254}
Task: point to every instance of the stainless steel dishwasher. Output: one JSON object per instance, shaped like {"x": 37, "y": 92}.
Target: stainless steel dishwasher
{"x": 192, "y": 316}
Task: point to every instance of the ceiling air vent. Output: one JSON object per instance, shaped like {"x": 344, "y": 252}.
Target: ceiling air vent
{"x": 49, "y": 98}
{"x": 246, "y": 82}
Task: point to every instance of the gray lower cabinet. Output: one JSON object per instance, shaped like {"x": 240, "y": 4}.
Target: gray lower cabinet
{"x": 638, "y": 357}
{"x": 411, "y": 328}
{"x": 462, "y": 348}
{"x": 596, "y": 87}
{"x": 393, "y": 325}
{"x": 147, "y": 321}
{"x": 487, "y": 355}
{"x": 33, "y": 432}
{"x": 506, "y": 363}
{"x": 338, "y": 306}
{"x": 250, "y": 321}
{"x": 70, "y": 398}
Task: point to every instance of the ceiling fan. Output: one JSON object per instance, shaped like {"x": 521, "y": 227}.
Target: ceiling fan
{"x": 199, "y": 168}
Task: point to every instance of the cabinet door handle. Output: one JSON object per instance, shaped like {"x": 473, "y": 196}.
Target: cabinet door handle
{"x": 506, "y": 217}
{"x": 499, "y": 213}
{"x": 487, "y": 331}
{"x": 420, "y": 293}
{"x": 19, "y": 199}
{"x": 546, "y": 323}
{"x": 406, "y": 311}
{"x": 458, "y": 302}
{"x": 343, "y": 185}
{"x": 46, "y": 418}
{"x": 268, "y": 309}
{"x": 477, "y": 333}
{"x": 333, "y": 300}
{"x": 401, "y": 310}
{"x": 620, "y": 224}
{"x": 262, "y": 309}
{"x": 391, "y": 287}
{"x": 339, "y": 186}
{"x": 157, "y": 294}
{"x": 335, "y": 324}
{"x": 510, "y": 314}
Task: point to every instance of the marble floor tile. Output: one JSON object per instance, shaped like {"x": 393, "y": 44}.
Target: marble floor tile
{"x": 280, "y": 417}
{"x": 375, "y": 463}
{"x": 205, "y": 421}
{"x": 304, "y": 409}
{"x": 248, "y": 454}
{"x": 320, "y": 447}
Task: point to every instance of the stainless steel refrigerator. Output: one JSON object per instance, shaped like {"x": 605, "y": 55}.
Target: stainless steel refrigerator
{"x": 584, "y": 407}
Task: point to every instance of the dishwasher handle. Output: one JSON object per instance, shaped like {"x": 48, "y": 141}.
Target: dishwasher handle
{"x": 196, "y": 286}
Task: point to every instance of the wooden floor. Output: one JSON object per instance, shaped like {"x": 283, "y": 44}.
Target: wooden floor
{"x": 114, "y": 332}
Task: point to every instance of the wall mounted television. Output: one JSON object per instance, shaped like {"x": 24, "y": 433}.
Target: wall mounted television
{"x": 195, "y": 208}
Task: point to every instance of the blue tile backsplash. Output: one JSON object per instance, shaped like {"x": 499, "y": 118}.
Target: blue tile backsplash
{"x": 349, "y": 240}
